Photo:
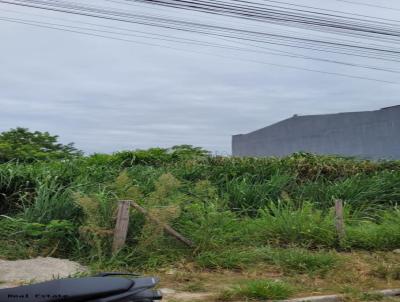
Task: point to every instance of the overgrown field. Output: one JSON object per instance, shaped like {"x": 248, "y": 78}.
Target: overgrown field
{"x": 239, "y": 212}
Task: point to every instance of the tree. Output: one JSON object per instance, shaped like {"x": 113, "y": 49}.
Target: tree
{"x": 23, "y": 145}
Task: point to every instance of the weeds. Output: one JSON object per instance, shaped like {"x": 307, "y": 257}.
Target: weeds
{"x": 230, "y": 259}
{"x": 258, "y": 290}
{"x": 374, "y": 236}
{"x": 23, "y": 239}
{"x": 284, "y": 223}
{"x": 245, "y": 194}
{"x": 387, "y": 271}
{"x": 238, "y": 211}
{"x": 292, "y": 260}
{"x": 51, "y": 202}
{"x": 356, "y": 295}
{"x": 303, "y": 261}
{"x": 194, "y": 286}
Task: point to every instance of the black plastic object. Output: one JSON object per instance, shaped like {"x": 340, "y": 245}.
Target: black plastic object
{"x": 88, "y": 289}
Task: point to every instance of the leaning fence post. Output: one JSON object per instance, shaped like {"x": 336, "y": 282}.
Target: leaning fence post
{"x": 121, "y": 226}
{"x": 339, "y": 220}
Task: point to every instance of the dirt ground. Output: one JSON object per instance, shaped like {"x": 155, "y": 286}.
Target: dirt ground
{"x": 188, "y": 284}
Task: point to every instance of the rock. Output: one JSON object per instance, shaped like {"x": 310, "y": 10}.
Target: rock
{"x": 397, "y": 251}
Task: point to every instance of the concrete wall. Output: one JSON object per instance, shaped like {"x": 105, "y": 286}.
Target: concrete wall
{"x": 371, "y": 134}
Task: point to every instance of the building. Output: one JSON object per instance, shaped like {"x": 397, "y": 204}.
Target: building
{"x": 368, "y": 134}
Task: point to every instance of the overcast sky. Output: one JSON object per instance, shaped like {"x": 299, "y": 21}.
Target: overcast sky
{"x": 108, "y": 95}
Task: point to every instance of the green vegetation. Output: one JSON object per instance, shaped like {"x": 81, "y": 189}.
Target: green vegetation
{"x": 303, "y": 261}
{"x": 241, "y": 213}
{"x": 258, "y": 290}
{"x": 292, "y": 259}
{"x": 22, "y": 145}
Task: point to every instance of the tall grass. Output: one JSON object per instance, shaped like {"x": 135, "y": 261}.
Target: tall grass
{"x": 245, "y": 194}
{"x": 50, "y": 202}
{"x": 266, "y": 290}
{"x": 232, "y": 208}
{"x": 284, "y": 223}
{"x": 361, "y": 191}
{"x": 368, "y": 235}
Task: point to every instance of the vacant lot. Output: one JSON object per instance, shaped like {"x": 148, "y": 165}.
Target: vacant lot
{"x": 262, "y": 228}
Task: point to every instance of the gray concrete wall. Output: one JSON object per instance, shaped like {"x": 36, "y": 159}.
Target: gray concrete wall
{"x": 371, "y": 134}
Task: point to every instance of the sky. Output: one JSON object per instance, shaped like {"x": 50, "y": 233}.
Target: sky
{"x": 108, "y": 95}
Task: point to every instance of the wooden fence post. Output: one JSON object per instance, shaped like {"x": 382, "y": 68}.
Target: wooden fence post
{"x": 339, "y": 219}
{"x": 121, "y": 226}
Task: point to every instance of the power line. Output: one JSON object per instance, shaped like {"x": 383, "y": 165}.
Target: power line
{"x": 370, "y": 5}
{"x": 204, "y": 53}
{"x": 218, "y": 31}
{"x": 253, "y": 40}
{"x": 300, "y": 17}
{"x": 331, "y": 10}
{"x": 135, "y": 2}
{"x": 225, "y": 7}
{"x": 161, "y": 37}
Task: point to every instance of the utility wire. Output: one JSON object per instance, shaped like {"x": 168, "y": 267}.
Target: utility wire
{"x": 184, "y": 41}
{"x": 205, "y": 53}
{"x": 300, "y": 17}
{"x": 384, "y": 53}
{"x": 370, "y": 5}
{"x": 251, "y": 39}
